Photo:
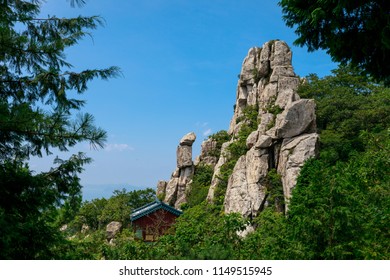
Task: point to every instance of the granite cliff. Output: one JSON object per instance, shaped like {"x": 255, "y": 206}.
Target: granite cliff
{"x": 271, "y": 134}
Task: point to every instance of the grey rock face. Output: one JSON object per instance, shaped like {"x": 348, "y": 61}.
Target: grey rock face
{"x": 293, "y": 153}
{"x": 174, "y": 191}
{"x": 297, "y": 118}
{"x": 113, "y": 229}
{"x": 171, "y": 191}
{"x": 264, "y": 141}
{"x": 188, "y": 139}
{"x": 207, "y": 153}
{"x": 184, "y": 156}
{"x": 161, "y": 188}
{"x": 217, "y": 171}
{"x": 245, "y": 193}
{"x": 285, "y": 137}
{"x": 184, "y": 150}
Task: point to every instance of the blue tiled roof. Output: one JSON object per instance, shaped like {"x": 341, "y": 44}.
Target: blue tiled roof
{"x": 152, "y": 207}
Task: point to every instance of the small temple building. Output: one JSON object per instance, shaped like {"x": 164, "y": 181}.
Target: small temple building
{"x": 153, "y": 220}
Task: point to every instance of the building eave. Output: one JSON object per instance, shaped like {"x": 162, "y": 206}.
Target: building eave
{"x": 152, "y": 207}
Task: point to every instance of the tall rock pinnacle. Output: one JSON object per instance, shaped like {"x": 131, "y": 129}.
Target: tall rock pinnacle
{"x": 174, "y": 191}
{"x": 285, "y": 137}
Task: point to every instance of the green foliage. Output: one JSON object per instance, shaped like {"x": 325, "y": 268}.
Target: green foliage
{"x": 274, "y": 185}
{"x": 28, "y": 207}
{"x": 200, "y": 185}
{"x": 82, "y": 246}
{"x": 348, "y": 102}
{"x": 203, "y": 232}
{"x": 256, "y": 75}
{"x": 68, "y": 210}
{"x": 38, "y": 115}
{"x": 89, "y": 214}
{"x": 225, "y": 171}
{"x": 249, "y": 115}
{"x": 350, "y": 31}
{"x": 126, "y": 247}
{"x": 96, "y": 214}
{"x": 340, "y": 204}
{"x": 220, "y": 137}
{"x": 272, "y": 108}
{"x": 337, "y": 211}
{"x": 270, "y": 239}
{"x": 120, "y": 205}
{"x": 342, "y": 211}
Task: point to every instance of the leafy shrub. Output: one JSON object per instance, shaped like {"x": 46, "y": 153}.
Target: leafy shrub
{"x": 200, "y": 185}
{"x": 99, "y": 212}
{"x": 202, "y": 232}
{"x": 219, "y": 137}
{"x": 274, "y": 185}
{"x": 249, "y": 115}
{"x": 347, "y": 103}
{"x": 342, "y": 211}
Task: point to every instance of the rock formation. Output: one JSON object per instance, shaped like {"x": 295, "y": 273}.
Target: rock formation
{"x": 113, "y": 229}
{"x": 284, "y": 139}
{"x": 173, "y": 192}
{"x": 207, "y": 153}
{"x": 286, "y": 135}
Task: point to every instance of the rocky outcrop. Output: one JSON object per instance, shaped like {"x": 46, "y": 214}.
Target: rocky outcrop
{"x": 286, "y": 135}
{"x": 161, "y": 189}
{"x": 173, "y": 192}
{"x": 293, "y": 153}
{"x": 208, "y": 155}
{"x": 215, "y": 181}
{"x": 84, "y": 228}
{"x": 112, "y": 229}
{"x": 297, "y": 118}
{"x": 245, "y": 193}
{"x": 284, "y": 139}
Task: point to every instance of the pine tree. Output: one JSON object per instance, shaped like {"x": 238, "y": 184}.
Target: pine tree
{"x": 356, "y": 32}
{"x": 40, "y": 113}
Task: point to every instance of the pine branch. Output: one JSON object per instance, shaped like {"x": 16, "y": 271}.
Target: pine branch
{"x": 79, "y": 3}
{"x": 54, "y": 131}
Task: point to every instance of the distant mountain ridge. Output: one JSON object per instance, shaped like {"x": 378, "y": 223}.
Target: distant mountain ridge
{"x": 92, "y": 191}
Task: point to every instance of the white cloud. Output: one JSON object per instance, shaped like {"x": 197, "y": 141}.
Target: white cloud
{"x": 202, "y": 124}
{"x": 207, "y": 132}
{"x": 118, "y": 147}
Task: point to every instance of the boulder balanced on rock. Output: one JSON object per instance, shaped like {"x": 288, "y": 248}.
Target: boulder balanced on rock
{"x": 174, "y": 191}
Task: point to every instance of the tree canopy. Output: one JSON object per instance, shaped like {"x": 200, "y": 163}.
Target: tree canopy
{"x": 350, "y": 31}
{"x": 40, "y": 113}
{"x": 348, "y": 103}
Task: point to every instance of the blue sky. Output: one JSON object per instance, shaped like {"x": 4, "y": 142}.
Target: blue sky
{"x": 180, "y": 60}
